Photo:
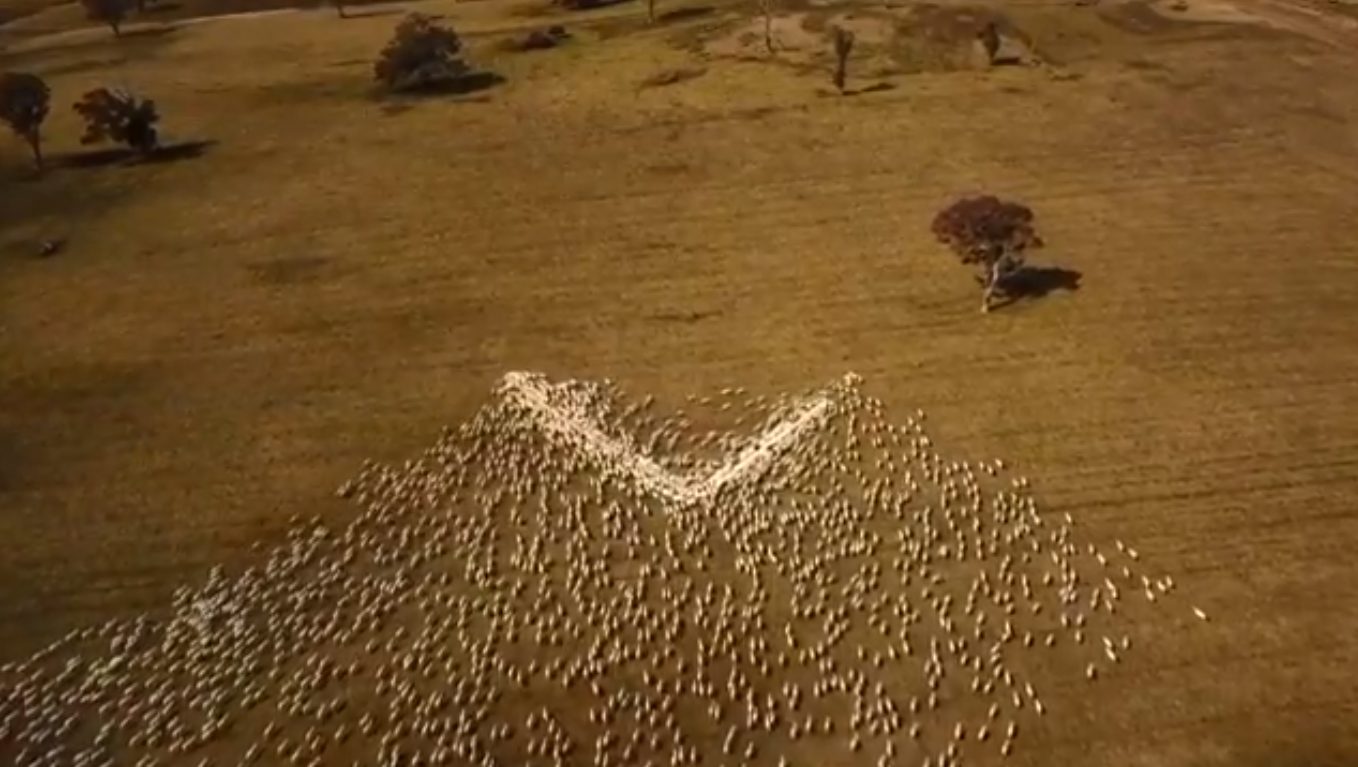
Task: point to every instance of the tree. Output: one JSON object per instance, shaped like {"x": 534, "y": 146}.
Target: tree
{"x": 116, "y": 115}
{"x": 766, "y": 9}
{"x": 421, "y": 54}
{"x": 339, "y": 9}
{"x": 24, "y": 102}
{"x": 989, "y": 37}
{"x": 111, "y": 12}
{"x": 843, "y": 40}
{"x": 990, "y": 233}
{"x": 650, "y": 11}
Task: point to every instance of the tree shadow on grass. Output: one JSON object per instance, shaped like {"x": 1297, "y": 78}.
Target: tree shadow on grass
{"x": 590, "y": 5}
{"x": 1032, "y": 282}
{"x": 671, "y": 77}
{"x": 474, "y": 82}
{"x": 874, "y": 88}
{"x": 185, "y": 150}
{"x": 143, "y": 33}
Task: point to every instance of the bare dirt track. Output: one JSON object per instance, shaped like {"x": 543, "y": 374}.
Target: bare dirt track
{"x": 227, "y": 337}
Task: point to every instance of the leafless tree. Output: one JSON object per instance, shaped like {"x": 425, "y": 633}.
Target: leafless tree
{"x": 989, "y": 36}
{"x": 24, "y": 103}
{"x": 991, "y": 234}
{"x": 843, "y": 40}
{"x": 766, "y": 10}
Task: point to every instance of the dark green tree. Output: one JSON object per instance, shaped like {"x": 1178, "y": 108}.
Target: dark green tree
{"x": 24, "y": 103}
{"x": 421, "y": 54}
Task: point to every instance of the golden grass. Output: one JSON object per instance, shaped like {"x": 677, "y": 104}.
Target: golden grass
{"x": 227, "y": 337}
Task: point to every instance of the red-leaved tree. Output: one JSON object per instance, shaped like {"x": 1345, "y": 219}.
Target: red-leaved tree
{"x": 115, "y": 115}
{"x": 989, "y": 233}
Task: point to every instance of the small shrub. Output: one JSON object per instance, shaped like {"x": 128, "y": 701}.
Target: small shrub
{"x": 121, "y": 117}
{"x": 541, "y": 39}
{"x": 989, "y": 233}
{"x": 110, "y": 12}
{"x": 421, "y": 54}
{"x": 843, "y": 40}
{"x": 24, "y": 102}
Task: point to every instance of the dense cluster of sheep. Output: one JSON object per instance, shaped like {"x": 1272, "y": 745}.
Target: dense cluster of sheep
{"x": 522, "y": 594}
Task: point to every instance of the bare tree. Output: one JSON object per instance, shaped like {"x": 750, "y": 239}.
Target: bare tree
{"x": 116, "y": 115}
{"x": 650, "y": 11}
{"x": 421, "y": 54}
{"x": 24, "y": 102}
{"x": 110, "y": 12}
{"x": 989, "y": 37}
{"x": 766, "y": 9}
{"x": 989, "y": 233}
{"x": 340, "y": 9}
{"x": 843, "y": 40}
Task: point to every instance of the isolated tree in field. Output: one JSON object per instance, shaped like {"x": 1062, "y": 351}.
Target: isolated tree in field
{"x": 991, "y": 234}
{"x": 111, "y": 12}
{"x": 119, "y": 116}
{"x": 420, "y": 55}
{"x": 843, "y": 40}
{"x": 340, "y": 10}
{"x": 24, "y": 103}
{"x": 766, "y": 10}
{"x": 650, "y": 11}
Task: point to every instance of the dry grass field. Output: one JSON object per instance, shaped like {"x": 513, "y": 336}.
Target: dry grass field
{"x": 335, "y": 277}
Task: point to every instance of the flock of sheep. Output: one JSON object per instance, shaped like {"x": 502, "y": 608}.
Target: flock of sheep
{"x": 516, "y": 596}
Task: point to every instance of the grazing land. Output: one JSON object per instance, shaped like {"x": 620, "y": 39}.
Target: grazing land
{"x": 319, "y": 275}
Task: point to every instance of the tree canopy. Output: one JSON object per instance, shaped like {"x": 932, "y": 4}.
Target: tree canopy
{"x": 421, "y": 54}
{"x": 24, "y": 103}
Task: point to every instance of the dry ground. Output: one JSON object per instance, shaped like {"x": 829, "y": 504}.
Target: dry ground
{"x": 227, "y": 336}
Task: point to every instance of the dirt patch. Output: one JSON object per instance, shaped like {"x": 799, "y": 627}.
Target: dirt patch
{"x": 289, "y": 270}
{"x": 1160, "y": 17}
{"x": 914, "y": 39}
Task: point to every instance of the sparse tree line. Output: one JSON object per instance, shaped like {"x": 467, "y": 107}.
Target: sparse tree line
{"x": 985, "y": 232}
{"x": 421, "y": 55}
{"x": 109, "y": 115}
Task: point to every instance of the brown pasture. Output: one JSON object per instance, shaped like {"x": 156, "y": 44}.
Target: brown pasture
{"x": 226, "y": 336}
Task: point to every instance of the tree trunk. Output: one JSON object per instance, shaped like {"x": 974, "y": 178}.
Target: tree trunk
{"x": 650, "y": 11}
{"x": 991, "y": 283}
{"x": 768, "y": 30}
{"x": 339, "y": 10}
{"x": 35, "y": 143}
{"x": 117, "y": 28}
